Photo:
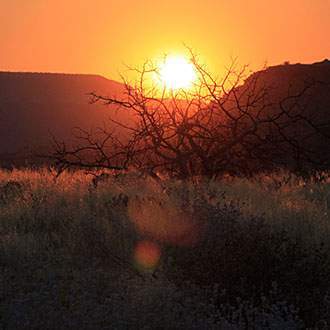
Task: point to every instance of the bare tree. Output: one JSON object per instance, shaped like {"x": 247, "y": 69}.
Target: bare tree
{"x": 218, "y": 126}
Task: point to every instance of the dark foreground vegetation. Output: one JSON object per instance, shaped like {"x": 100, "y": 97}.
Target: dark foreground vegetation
{"x": 124, "y": 252}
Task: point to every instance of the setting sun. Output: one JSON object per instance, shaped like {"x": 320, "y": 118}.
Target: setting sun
{"x": 177, "y": 72}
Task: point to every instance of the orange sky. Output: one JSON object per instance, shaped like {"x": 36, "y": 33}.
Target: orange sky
{"x": 83, "y": 36}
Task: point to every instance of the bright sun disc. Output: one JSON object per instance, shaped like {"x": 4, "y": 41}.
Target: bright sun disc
{"x": 176, "y": 72}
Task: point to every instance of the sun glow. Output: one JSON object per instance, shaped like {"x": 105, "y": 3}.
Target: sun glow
{"x": 176, "y": 72}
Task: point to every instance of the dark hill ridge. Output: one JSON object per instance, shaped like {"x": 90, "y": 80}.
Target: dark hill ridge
{"x": 305, "y": 90}
{"x": 315, "y": 70}
{"x": 280, "y": 77}
{"x": 40, "y": 86}
{"x": 33, "y": 106}
{"x": 291, "y": 79}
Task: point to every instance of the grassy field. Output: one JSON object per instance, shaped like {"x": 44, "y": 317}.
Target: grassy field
{"x": 132, "y": 253}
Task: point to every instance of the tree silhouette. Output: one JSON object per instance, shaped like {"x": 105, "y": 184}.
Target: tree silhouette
{"x": 218, "y": 126}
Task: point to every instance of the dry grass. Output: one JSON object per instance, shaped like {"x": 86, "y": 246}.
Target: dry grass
{"x": 214, "y": 232}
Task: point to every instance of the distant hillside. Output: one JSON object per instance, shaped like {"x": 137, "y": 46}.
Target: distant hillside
{"x": 34, "y": 106}
{"x": 289, "y": 79}
{"x": 282, "y": 82}
{"x": 318, "y": 70}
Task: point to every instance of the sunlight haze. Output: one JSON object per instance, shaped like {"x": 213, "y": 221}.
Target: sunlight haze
{"x": 101, "y": 36}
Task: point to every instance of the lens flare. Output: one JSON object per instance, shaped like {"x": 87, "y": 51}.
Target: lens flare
{"x": 147, "y": 255}
{"x": 165, "y": 223}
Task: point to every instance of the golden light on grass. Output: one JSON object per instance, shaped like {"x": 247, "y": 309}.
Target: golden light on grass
{"x": 176, "y": 72}
{"x": 147, "y": 255}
